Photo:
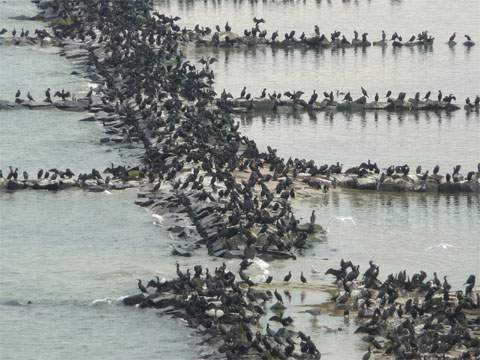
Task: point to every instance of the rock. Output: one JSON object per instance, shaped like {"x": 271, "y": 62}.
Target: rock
{"x": 177, "y": 252}
{"x": 133, "y": 300}
{"x": 366, "y": 183}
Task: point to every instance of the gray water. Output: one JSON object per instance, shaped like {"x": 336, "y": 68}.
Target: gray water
{"x": 64, "y": 250}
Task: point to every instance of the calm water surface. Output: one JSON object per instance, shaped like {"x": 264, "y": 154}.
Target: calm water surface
{"x": 64, "y": 250}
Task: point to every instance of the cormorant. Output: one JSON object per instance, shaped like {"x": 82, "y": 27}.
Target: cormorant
{"x": 288, "y": 277}
{"x": 364, "y": 92}
{"x": 142, "y": 288}
{"x": 302, "y": 278}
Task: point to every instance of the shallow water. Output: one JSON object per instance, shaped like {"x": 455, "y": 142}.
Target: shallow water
{"x": 424, "y": 138}
{"x": 98, "y": 244}
{"x": 455, "y": 70}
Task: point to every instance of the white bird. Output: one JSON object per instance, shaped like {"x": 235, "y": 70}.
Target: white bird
{"x": 315, "y": 271}
{"x": 215, "y": 313}
{"x": 443, "y": 246}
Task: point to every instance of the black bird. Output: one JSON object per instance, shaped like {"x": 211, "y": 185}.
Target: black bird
{"x": 427, "y": 95}
{"x": 439, "y": 97}
{"x": 47, "y": 96}
{"x": 278, "y": 296}
{"x": 269, "y": 279}
{"x": 366, "y": 356}
{"x": 376, "y": 97}
{"x": 313, "y": 98}
{"x": 258, "y": 21}
{"x": 30, "y": 97}
{"x": 470, "y": 284}
{"x": 364, "y": 92}
{"x": 244, "y": 91}
{"x": 17, "y": 94}
{"x": 288, "y": 277}
{"x": 468, "y": 37}
{"x": 142, "y": 288}
{"x": 228, "y": 28}
{"x": 388, "y": 94}
{"x": 302, "y": 278}
{"x": 436, "y": 169}
{"x": 452, "y": 37}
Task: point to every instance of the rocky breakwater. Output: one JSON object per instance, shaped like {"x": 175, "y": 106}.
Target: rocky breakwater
{"x": 408, "y": 317}
{"x": 113, "y": 178}
{"x": 225, "y": 308}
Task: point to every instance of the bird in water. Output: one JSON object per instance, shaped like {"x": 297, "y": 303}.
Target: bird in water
{"x": 452, "y": 37}
{"x": 142, "y": 287}
{"x": 288, "y": 277}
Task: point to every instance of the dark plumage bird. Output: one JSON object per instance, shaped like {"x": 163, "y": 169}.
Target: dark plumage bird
{"x": 142, "y": 288}
{"x": 244, "y": 91}
{"x": 228, "y": 28}
{"x": 366, "y": 356}
{"x": 436, "y": 169}
{"x": 364, "y": 92}
{"x": 30, "y": 97}
{"x": 468, "y": 37}
{"x": 470, "y": 284}
{"x": 17, "y": 94}
{"x": 389, "y": 93}
{"x": 269, "y": 279}
{"x": 288, "y": 277}
{"x": 302, "y": 278}
{"x": 278, "y": 296}
{"x": 427, "y": 95}
{"x": 376, "y": 97}
{"x": 452, "y": 37}
{"x": 313, "y": 98}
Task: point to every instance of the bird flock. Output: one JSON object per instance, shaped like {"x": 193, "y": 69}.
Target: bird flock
{"x": 237, "y": 197}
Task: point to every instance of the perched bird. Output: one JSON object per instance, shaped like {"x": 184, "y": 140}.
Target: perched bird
{"x": 302, "y": 278}
{"x": 142, "y": 288}
{"x": 288, "y": 277}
